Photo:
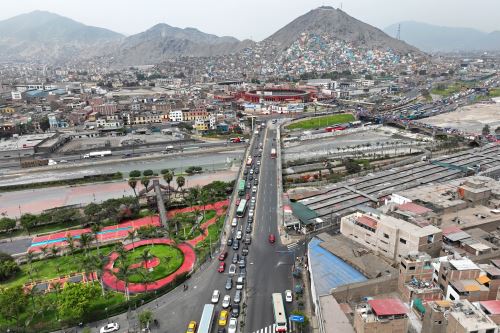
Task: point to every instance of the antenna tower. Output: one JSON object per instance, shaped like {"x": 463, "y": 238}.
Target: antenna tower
{"x": 398, "y": 33}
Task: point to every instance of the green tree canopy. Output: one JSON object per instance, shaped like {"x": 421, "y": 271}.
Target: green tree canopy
{"x": 7, "y": 224}
{"x": 76, "y": 298}
{"x": 134, "y": 174}
{"x": 13, "y": 303}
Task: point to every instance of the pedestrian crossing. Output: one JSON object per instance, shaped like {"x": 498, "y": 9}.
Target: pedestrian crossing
{"x": 268, "y": 329}
{"x": 292, "y": 246}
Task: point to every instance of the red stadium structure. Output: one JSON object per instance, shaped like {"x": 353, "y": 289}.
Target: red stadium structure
{"x": 277, "y": 95}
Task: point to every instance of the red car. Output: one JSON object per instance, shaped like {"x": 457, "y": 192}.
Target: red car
{"x": 223, "y": 256}
{"x": 248, "y": 196}
{"x": 272, "y": 238}
{"x": 222, "y": 267}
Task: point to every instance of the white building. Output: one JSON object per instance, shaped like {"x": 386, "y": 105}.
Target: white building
{"x": 176, "y": 115}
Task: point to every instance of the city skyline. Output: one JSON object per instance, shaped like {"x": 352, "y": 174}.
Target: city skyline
{"x": 194, "y": 13}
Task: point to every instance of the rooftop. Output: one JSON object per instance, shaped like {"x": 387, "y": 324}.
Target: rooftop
{"x": 470, "y": 317}
{"x": 463, "y": 264}
{"x": 388, "y": 307}
{"x": 491, "y": 307}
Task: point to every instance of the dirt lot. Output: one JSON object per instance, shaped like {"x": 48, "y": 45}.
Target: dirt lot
{"x": 469, "y": 118}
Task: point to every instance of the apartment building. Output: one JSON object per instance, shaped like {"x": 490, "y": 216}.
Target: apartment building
{"x": 415, "y": 279}
{"x": 463, "y": 317}
{"x": 389, "y": 236}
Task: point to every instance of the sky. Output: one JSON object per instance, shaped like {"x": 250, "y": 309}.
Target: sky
{"x": 256, "y": 19}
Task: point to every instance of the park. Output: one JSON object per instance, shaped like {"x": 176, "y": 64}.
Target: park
{"x": 101, "y": 269}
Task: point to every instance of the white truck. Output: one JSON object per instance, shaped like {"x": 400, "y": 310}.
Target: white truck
{"x": 94, "y": 154}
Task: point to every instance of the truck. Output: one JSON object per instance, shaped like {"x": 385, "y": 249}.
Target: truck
{"x": 94, "y": 154}
{"x": 34, "y": 163}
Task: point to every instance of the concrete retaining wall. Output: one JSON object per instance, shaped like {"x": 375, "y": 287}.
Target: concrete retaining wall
{"x": 356, "y": 291}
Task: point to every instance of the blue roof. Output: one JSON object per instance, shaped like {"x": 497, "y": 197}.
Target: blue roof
{"x": 328, "y": 270}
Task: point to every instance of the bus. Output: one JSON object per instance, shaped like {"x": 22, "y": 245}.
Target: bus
{"x": 273, "y": 153}
{"x": 242, "y": 208}
{"x": 207, "y": 317}
{"x": 241, "y": 188}
{"x": 279, "y": 312}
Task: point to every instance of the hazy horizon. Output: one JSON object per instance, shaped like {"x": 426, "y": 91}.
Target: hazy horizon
{"x": 256, "y": 20}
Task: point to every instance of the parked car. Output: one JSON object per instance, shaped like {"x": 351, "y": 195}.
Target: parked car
{"x": 111, "y": 327}
{"x": 235, "y": 311}
{"x": 237, "y": 297}
{"x": 222, "y": 267}
{"x": 229, "y": 283}
{"x": 232, "y": 269}
{"x": 288, "y": 296}
{"x": 235, "y": 258}
{"x": 233, "y": 325}
{"x": 224, "y": 314}
{"x": 215, "y": 296}
{"x": 191, "y": 327}
{"x": 222, "y": 256}
{"x": 226, "y": 302}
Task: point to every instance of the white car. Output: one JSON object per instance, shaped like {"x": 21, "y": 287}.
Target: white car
{"x": 239, "y": 234}
{"x": 112, "y": 327}
{"x": 226, "y": 301}
{"x": 235, "y": 222}
{"x": 232, "y": 269}
{"x": 240, "y": 282}
{"x": 250, "y": 212}
{"x": 215, "y": 296}
{"x": 254, "y": 189}
{"x": 253, "y": 200}
{"x": 233, "y": 325}
{"x": 258, "y": 162}
{"x": 288, "y": 296}
{"x": 251, "y": 171}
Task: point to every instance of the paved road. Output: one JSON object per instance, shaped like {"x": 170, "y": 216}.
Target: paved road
{"x": 270, "y": 264}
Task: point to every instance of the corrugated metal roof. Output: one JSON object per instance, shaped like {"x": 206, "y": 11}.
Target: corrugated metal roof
{"x": 493, "y": 306}
{"x": 368, "y": 221}
{"x": 388, "y": 307}
{"x": 483, "y": 279}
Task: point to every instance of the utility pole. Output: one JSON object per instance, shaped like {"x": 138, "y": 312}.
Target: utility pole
{"x": 398, "y": 33}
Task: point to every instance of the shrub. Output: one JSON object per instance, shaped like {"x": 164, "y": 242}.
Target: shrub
{"x": 147, "y": 173}
{"x": 134, "y": 174}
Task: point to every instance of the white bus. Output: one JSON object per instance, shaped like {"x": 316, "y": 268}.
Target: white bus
{"x": 279, "y": 313}
{"x": 207, "y": 317}
{"x": 242, "y": 208}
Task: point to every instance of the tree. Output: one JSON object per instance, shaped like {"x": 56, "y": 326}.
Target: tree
{"x": 124, "y": 274}
{"x": 134, "y": 174}
{"x": 85, "y": 240}
{"x": 71, "y": 243}
{"x": 92, "y": 211}
{"x": 8, "y": 266}
{"x": 146, "y": 256}
{"x": 351, "y": 166}
{"x": 133, "y": 183}
{"x": 7, "y": 224}
{"x": 147, "y": 173}
{"x": 486, "y": 130}
{"x": 168, "y": 177}
{"x": 145, "y": 182}
{"x": 13, "y": 302}
{"x": 28, "y": 221}
{"x": 181, "y": 181}
{"x": 75, "y": 300}
{"x": 131, "y": 236}
{"x": 145, "y": 318}
{"x": 96, "y": 228}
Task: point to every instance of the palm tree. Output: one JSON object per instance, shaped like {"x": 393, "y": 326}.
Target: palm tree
{"x": 96, "y": 228}
{"x": 145, "y": 182}
{"x": 100, "y": 264}
{"x": 45, "y": 250}
{"x": 168, "y": 177}
{"x": 133, "y": 183}
{"x": 131, "y": 236}
{"x": 124, "y": 274}
{"x": 146, "y": 256}
{"x": 85, "y": 240}
{"x": 71, "y": 243}
{"x": 54, "y": 250}
{"x": 181, "y": 181}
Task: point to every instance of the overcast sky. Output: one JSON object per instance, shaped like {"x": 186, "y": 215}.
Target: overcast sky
{"x": 256, "y": 19}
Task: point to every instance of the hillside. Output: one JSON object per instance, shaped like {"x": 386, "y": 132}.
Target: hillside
{"x": 45, "y": 36}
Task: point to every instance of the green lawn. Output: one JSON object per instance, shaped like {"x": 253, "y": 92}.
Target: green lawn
{"x": 171, "y": 259}
{"x": 449, "y": 90}
{"x": 494, "y": 92}
{"x": 52, "y": 267}
{"x": 187, "y": 222}
{"x": 319, "y": 122}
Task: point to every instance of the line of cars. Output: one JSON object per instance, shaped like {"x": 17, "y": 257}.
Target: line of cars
{"x": 239, "y": 245}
